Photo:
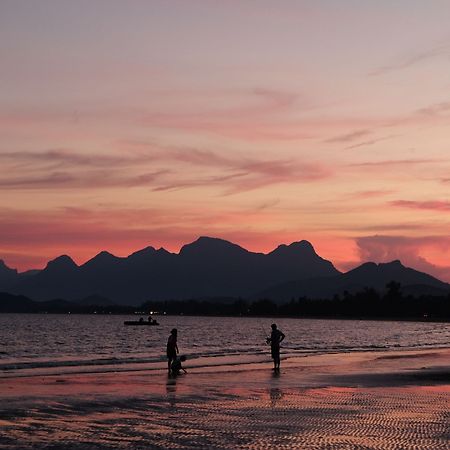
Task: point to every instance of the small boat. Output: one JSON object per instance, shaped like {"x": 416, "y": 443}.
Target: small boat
{"x": 141, "y": 322}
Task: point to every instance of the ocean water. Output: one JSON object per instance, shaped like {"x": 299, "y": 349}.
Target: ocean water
{"x": 53, "y": 344}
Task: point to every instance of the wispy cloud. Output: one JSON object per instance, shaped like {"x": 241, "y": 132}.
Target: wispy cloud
{"x": 246, "y": 173}
{"x": 252, "y": 114}
{"x": 67, "y": 157}
{"x": 158, "y": 168}
{"x": 65, "y": 168}
{"x": 432, "y": 205}
{"x": 395, "y": 163}
{"x": 371, "y": 194}
{"x": 435, "y": 109}
{"x": 414, "y": 59}
{"x": 349, "y": 137}
{"x": 369, "y": 142}
{"x": 418, "y": 227}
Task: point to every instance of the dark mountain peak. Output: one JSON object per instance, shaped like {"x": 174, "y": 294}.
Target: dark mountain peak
{"x": 396, "y": 264}
{"x": 368, "y": 265}
{"x": 105, "y": 255}
{"x": 365, "y": 267}
{"x": 378, "y": 275}
{"x": 103, "y": 258}
{"x": 300, "y": 247}
{"x": 372, "y": 268}
{"x": 208, "y": 246}
{"x": 63, "y": 262}
{"x": 303, "y": 244}
{"x": 143, "y": 252}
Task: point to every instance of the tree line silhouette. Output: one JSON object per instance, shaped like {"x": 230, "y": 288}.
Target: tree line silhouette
{"x": 366, "y": 303}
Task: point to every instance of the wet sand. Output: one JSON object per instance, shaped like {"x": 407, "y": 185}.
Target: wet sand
{"x": 365, "y": 400}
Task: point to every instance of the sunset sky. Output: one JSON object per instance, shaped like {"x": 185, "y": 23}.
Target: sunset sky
{"x": 125, "y": 124}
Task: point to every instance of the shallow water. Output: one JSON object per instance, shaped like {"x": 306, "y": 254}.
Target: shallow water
{"x": 71, "y": 343}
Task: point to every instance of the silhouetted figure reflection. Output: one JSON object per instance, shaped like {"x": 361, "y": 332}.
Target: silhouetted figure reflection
{"x": 171, "y": 390}
{"x": 275, "y": 395}
{"x": 172, "y": 348}
{"x": 276, "y": 337}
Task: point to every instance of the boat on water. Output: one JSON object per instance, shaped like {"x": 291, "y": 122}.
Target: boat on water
{"x": 141, "y": 322}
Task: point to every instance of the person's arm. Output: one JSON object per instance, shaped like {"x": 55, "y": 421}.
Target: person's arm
{"x": 282, "y": 336}
{"x": 176, "y": 348}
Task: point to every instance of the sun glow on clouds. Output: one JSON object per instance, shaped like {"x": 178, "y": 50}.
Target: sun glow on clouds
{"x": 151, "y": 124}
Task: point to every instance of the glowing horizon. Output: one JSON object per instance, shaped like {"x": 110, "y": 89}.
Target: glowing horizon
{"x": 154, "y": 123}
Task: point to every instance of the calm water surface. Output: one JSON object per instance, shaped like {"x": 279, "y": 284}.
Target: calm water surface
{"x": 58, "y": 343}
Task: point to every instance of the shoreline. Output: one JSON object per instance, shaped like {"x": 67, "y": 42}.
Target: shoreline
{"x": 199, "y": 362}
{"x": 373, "y": 400}
{"x": 237, "y": 316}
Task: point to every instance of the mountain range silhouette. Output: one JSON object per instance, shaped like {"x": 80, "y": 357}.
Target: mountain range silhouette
{"x": 209, "y": 268}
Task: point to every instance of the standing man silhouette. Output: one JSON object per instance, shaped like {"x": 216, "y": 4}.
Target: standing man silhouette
{"x": 172, "y": 347}
{"x": 276, "y": 337}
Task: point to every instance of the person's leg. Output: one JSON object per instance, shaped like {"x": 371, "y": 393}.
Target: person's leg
{"x": 277, "y": 361}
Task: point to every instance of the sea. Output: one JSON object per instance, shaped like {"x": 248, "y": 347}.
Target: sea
{"x": 47, "y": 344}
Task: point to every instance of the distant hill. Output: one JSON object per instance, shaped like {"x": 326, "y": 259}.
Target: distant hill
{"x": 206, "y": 268}
{"x": 15, "y": 303}
{"x": 10, "y": 303}
{"x": 94, "y": 300}
{"x": 368, "y": 275}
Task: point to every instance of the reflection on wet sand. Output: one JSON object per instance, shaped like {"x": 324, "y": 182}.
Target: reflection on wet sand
{"x": 171, "y": 390}
{"x": 315, "y": 408}
{"x": 275, "y": 395}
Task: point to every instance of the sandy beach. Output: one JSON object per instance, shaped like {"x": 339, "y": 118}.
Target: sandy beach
{"x": 363, "y": 400}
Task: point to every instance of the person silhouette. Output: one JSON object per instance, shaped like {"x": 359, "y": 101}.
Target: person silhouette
{"x": 176, "y": 366}
{"x": 276, "y": 337}
{"x": 172, "y": 348}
